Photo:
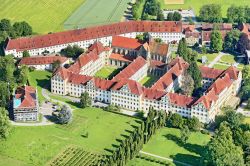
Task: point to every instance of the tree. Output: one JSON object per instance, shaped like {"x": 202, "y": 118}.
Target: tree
{"x": 64, "y": 116}
{"x": 26, "y": 53}
{"x": 22, "y": 28}
{"x": 245, "y": 90}
{"x": 231, "y": 40}
{"x": 193, "y": 124}
{"x": 210, "y": 13}
{"x": 170, "y": 16}
{"x": 5, "y": 25}
{"x": 187, "y": 84}
{"x": 22, "y": 75}
{"x": 152, "y": 7}
{"x": 176, "y": 16}
{"x": 232, "y": 118}
{"x": 182, "y": 49}
{"x": 160, "y": 16}
{"x": 216, "y": 41}
{"x": 203, "y": 49}
{"x": 4, "y": 94}
{"x": 85, "y": 100}
{"x": 176, "y": 120}
{"x": 56, "y": 64}
{"x": 158, "y": 40}
{"x": 246, "y": 72}
{"x": 185, "y": 133}
{"x": 236, "y": 14}
{"x": 243, "y": 43}
{"x": 195, "y": 73}
{"x": 72, "y": 52}
{"x": 222, "y": 151}
{"x": 4, "y": 123}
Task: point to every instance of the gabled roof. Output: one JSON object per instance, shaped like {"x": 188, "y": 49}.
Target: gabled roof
{"x": 220, "y": 26}
{"x": 210, "y": 73}
{"x": 131, "y": 69}
{"x": 206, "y": 35}
{"x": 27, "y": 95}
{"x": 120, "y": 57}
{"x": 103, "y": 84}
{"x": 157, "y": 64}
{"x": 48, "y": 40}
{"x": 180, "y": 100}
{"x": 124, "y": 42}
{"x": 153, "y": 94}
{"x": 158, "y": 48}
{"x": 178, "y": 66}
{"x": 134, "y": 87}
{"x": 42, "y": 60}
{"x": 78, "y": 79}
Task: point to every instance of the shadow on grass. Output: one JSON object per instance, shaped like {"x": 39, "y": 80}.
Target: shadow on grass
{"x": 187, "y": 158}
{"x": 194, "y": 148}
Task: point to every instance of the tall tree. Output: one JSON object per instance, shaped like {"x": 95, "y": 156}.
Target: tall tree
{"x": 216, "y": 41}
{"x": 56, "y": 64}
{"x": 4, "y": 123}
{"x": 211, "y": 13}
{"x": 187, "y": 84}
{"x": 193, "y": 124}
{"x": 195, "y": 73}
{"x": 22, "y": 75}
{"x": 4, "y": 94}
{"x": 236, "y": 14}
{"x": 176, "y": 16}
{"x": 160, "y": 16}
{"x": 5, "y": 25}
{"x": 246, "y": 72}
{"x": 182, "y": 50}
{"x": 22, "y": 28}
{"x": 243, "y": 43}
{"x": 221, "y": 150}
{"x": 170, "y": 16}
{"x": 185, "y": 133}
{"x": 231, "y": 40}
{"x": 64, "y": 115}
{"x": 176, "y": 120}
{"x": 26, "y": 53}
{"x": 85, "y": 100}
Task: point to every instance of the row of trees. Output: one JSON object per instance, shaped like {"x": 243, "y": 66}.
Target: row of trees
{"x": 133, "y": 143}
{"x": 174, "y": 16}
{"x": 190, "y": 56}
{"x": 235, "y": 14}
{"x": 231, "y": 142}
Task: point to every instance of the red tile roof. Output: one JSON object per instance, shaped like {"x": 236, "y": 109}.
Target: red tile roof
{"x": 27, "y": 94}
{"x": 180, "y": 100}
{"x": 158, "y": 48}
{"x": 134, "y": 86}
{"x": 41, "y": 60}
{"x": 121, "y": 57}
{"x": 211, "y": 73}
{"x": 192, "y": 34}
{"x": 206, "y": 35}
{"x": 153, "y": 94}
{"x": 128, "y": 43}
{"x": 157, "y": 64}
{"x": 41, "y": 41}
{"x": 188, "y": 28}
{"x": 131, "y": 69}
{"x": 178, "y": 66}
{"x": 221, "y": 26}
{"x": 245, "y": 28}
{"x": 91, "y": 55}
{"x": 103, "y": 84}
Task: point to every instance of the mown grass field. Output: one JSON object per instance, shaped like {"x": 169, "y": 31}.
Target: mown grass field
{"x": 149, "y": 80}
{"x": 97, "y": 12}
{"x": 38, "y": 145}
{"x": 107, "y": 72}
{"x": 40, "y": 79}
{"x": 196, "y": 4}
{"x": 43, "y": 15}
{"x": 166, "y": 143}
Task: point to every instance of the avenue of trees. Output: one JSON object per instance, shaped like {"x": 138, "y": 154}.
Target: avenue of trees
{"x": 133, "y": 142}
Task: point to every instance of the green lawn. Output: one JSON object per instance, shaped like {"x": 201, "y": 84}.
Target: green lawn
{"x": 196, "y": 4}
{"x": 142, "y": 162}
{"x": 166, "y": 143}
{"x": 210, "y": 58}
{"x": 247, "y": 120}
{"x": 107, "y": 72}
{"x": 149, "y": 80}
{"x": 228, "y": 58}
{"x": 43, "y": 15}
{"x": 40, "y": 79}
{"x": 38, "y": 145}
{"x": 97, "y": 12}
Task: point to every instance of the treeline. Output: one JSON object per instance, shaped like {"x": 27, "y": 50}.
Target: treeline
{"x": 231, "y": 143}
{"x": 133, "y": 143}
{"x": 235, "y": 14}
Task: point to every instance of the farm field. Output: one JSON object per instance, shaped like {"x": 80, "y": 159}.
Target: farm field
{"x": 107, "y": 72}
{"x": 39, "y": 79}
{"x": 166, "y": 143}
{"x": 196, "y": 4}
{"x": 38, "y": 145}
{"x": 43, "y": 15}
{"x": 97, "y": 12}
